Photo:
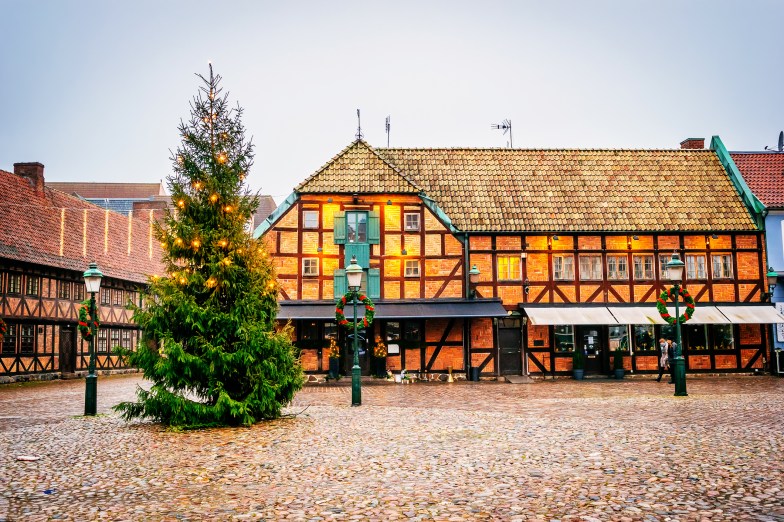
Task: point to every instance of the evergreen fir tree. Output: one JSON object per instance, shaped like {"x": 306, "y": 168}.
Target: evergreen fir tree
{"x": 209, "y": 343}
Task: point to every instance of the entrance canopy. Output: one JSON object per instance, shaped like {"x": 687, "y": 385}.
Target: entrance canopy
{"x": 562, "y": 315}
{"x": 411, "y": 309}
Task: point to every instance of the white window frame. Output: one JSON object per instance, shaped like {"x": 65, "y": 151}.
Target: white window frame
{"x": 307, "y": 217}
{"x": 695, "y": 269}
{"x": 594, "y": 266}
{"x": 412, "y": 227}
{"x": 563, "y": 267}
{"x": 617, "y": 267}
{"x": 722, "y": 269}
{"x": 310, "y": 269}
{"x": 646, "y": 272}
{"x": 504, "y": 268}
{"x": 412, "y": 268}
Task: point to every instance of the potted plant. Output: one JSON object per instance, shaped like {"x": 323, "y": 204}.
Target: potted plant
{"x": 333, "y": 352}
{"x": 578, "y": 363}
{"x": 380, "y": 358}
{"x": 618, "y": 361}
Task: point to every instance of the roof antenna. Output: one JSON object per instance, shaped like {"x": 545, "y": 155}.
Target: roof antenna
{"x": 387, "y": 125}
{"x": 780, "y": 146}
{"x": 505, "y": 125}
{"x": 359, "y": 134}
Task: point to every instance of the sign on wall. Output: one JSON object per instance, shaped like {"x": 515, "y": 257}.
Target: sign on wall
{"x": 780, "y": 326}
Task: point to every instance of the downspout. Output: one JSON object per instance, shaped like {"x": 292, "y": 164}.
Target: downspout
{"x": 467, "y": 321}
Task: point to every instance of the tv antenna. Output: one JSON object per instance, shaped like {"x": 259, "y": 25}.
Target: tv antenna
{"x": 387, "y": 125}
{"x": 780, "y": 146}
{"x": 359, "y": 134}
{"x": 505, "y": 125}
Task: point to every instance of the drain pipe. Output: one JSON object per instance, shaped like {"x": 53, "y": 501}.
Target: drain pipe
{"x": 467, "y": 320}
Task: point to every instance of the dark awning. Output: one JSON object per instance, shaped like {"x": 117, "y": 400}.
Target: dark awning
{"x": 416, "y": 309}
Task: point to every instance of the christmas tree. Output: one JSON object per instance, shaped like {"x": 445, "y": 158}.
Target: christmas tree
{"x": 209, "y": 343}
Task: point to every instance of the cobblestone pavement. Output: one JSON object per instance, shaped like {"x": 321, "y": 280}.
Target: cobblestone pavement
{"x": 563, "y": 450}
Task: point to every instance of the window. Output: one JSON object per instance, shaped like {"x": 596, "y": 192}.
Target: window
{"x": 78, "y": 292}
{"x": 694, "y": 336}
{"x": 411, "y": 222}
{"x": 310, "y": 219}
{"x": 126, "y": 339}
{"x": 115, "y": 338}
{"x": 643, "y": 267}
{"x": 393, "y": 331}
{"x": 563, "y": 268}
{"x": 564, "y": 338}
{"x": 14, "y": 283}
{"x": 9, "y": 340}
{"x": 722, "y": 266}
{"x": 617, "y": 267}
{"x": 103, "y": 341}
{"x": 509, "y": 268}
{"x": 722, "y": 337}
{"x": 27, "y": 338}
{"x": 31, "y": 288}
{"x": 118, "y": 297}
{"x": 356, "y": 227}
{"x": 64, "y": 289}
{"x": 695, "y": 267}
{"x": 590, "y": 268}
{"x": 331, "y": 330}
{"x": 643, "y": 338}
{"x": 663, "y": 260}
{"x": 412, "y": 268}
{"x": 310, "y": 266}
{"x": 618, "y": 338}
{"x": 105, "y": 296}
{"x": 412, "y": 331}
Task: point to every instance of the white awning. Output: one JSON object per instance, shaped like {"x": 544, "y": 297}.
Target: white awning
{"x": 637, "y": 314}
{"x": 759, "y": 314}
{"x": 704, "y": 314}
{"x": 561, "y": 315}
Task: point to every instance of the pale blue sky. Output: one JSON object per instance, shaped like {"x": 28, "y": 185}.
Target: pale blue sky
{"x": 95, "y": 89}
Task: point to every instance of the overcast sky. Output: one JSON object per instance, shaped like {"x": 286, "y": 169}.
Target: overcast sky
{"x": 94, "y": 90}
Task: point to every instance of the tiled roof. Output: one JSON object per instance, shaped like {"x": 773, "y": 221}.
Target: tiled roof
{"x": 109, "y": 190}
{"x": 764, "y": 174}
{"x": 358, "y": 169}
{"x": 508, "y": 190}
{"x": 30, "y": 232}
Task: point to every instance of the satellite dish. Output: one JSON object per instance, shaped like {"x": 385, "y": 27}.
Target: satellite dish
{"x": 781, "y": 141}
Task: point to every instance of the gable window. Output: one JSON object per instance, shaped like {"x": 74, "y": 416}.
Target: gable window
{"x": 310, "y": 266}
{"x": 643, "y": 267}
{"x": 590, "y": 268}
{"x": 563, "y": 268}
{"x": 412, "y": 268}
{"x": 31, "y": 288}
{"x": 617, "y": 267}
{"x": 356, "y": 227}
{"x": 722, "y": 266}
{"x": 9, "y": 340}
{"x": 695, "y": 267}
{"x": 27, "y": 338}
{"x": 64, "y": 290}
{"x": 14, "y": 283}
{"x": 509, "y": 268}
{"x": 411, "y": 222}
{"x": 310, "y": 219}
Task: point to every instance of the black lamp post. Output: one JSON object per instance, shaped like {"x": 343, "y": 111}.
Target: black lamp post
{"x": 354, "y": 275}
{"x": 92, "y": 284}
{"x": 675, "y": 274}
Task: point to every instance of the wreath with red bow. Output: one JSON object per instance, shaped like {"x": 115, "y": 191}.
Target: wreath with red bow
{"x": 2, "y": 328}
{"x": 661, "y": 305}
{"x": 84, "y": 321}
{"x": 366, "y": 321}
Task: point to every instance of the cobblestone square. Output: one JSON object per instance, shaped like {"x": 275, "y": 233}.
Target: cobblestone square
{"x": 555, "y": 450}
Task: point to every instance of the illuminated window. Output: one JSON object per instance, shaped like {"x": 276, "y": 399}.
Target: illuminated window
{"x": 509, "y": 268}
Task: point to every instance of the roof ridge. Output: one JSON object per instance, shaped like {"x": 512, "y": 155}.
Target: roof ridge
{"x": 505, "y": 149}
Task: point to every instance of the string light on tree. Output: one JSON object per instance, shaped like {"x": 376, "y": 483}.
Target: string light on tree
{"x": 213, "y": 198}
{"x": 181, "y": 203}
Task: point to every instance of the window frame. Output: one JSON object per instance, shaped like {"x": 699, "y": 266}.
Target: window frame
{"x": 117, "y": 297}
{"x": 307, "y": 216}
{"x": 691, "y": 264}
{"x": 305, "y": 269}
{"x": 64, "y": 290}
{"x": 78, "y": 292}
{"x": 570, "y": 333}
{"x": 102, "y": 346}
{"x": 562, "y": 258}
{"x": 32, "y": 285}
{"x": 646, "y": 276}
{"x": 599, "y": 265}
{"x": 125, "y": 339}
{"x": 409, "y": 266}
{"x": 508, "y": 265}
{"x": 356, "y": 214}
{"x": 725, "y": 266}
{"x": 27, "y": 339}
{"x": 105, "y": 296}
{"x": 14, "y": 283}
{"x": 9, "y": 340}
{"x": 617, "y": 260}
{"x": 413, "y": 228}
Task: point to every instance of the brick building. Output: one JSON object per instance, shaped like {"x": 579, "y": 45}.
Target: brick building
{"x": 569, "y": 244}
{"x": 47, "y": 240}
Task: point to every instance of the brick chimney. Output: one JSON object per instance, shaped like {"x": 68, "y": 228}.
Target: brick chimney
{"x": 693, "y": 143}
{"x": 34, "y": 172}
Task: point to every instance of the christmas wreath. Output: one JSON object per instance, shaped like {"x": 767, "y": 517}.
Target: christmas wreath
{"x": 84, "y": 322}
{"x": 2, "y": 328}
{"x": 661, "y": 305}
{"x": 369, "y": 312}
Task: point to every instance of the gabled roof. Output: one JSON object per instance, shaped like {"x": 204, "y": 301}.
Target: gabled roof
{"x": 764, "y": 173}
{"x": 358, "y": 169}
{"x": 266, "y": 207}
{"x": 33, "y": 224}
{"x": 511, "y": 190}
{"x": 109, "y": 190}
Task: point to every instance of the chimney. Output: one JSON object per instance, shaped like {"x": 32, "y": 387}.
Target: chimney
{"x": 33, "y": 171}
{"x": 693, "y": 143}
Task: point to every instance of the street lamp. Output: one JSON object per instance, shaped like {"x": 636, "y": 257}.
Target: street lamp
{"x": 772, "y": 277}
{"x": 675, "y": 274}
{"x": 92, "y": 284}
{"x": 473, "y": 278}
{"x": 354, "y": 275}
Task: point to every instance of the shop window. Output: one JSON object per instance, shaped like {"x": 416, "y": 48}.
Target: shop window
{"x": 14, "y": 283}
{"x": 695, "y": 267}
{"x": 392, "y": 331}
{"x": 694, "y": 336}
{"x": 722, "y": 266}
{"x": 644, "y": 339}
{"x": 590, "y": 268}
{"x": 310, "y": 266}
{"x": 412, "y": 268}
{"x": 308, "y": 330}
{"x": 618, "y": 339}
{"x": 310, "y": 219}
{"x": 564, "y": 338}
{"x": 103, "y": 341}
{"x": 64, "y": 289}
{"x": 643, "y": 267}
{"x": 617, "y": 267}
{"x": 331, "y": 330}
{"x": 412, "y": 331}
{"x": 563, "y": 268}
{"x": 509, "y": 268}
{"x": 31, "y": 288}
{"x": 411, "y": 222}
{"x": 722, "y": 337}
{"x": 27, "y": 338}
{"x": 9, "y": 340}
{"x": 668, "y": 332}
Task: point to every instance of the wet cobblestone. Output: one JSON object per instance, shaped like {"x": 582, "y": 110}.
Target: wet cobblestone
{"x": 564, "y": 450}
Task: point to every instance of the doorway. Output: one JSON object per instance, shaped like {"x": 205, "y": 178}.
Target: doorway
{"x": 67, "y": 349}
{"x": 590, "y": 338}
{"x": 510, "y": 341}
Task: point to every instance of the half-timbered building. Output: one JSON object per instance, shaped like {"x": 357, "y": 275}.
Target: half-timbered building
{"x": 47, "y": 240}
{"x": 569, "y": 245}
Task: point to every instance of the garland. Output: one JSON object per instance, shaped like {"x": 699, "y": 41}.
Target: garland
{"x": 84, "y": 326}
{"x": 661, "y": 305}
{"x": 366, "y": 321}
{"x": 2, "y": 328}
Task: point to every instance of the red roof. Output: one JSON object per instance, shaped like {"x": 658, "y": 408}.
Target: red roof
{"x": 109, "y": 190}
{"x": 48, "y": 228}
{"x": 764, "y": 174}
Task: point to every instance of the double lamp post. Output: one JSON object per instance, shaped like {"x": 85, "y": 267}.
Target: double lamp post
{"x": 92, "y": 284}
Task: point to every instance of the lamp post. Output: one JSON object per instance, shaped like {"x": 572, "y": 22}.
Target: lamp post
{"x": 354, "y": 275}
{"x": 473, "y": 278}
{"x": 92, "y": 284}
{"x": 772, "y": 278}
{"x": 675, "y": 274}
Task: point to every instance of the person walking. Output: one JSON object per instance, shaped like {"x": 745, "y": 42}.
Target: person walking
{"x": 663, "y": 358}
